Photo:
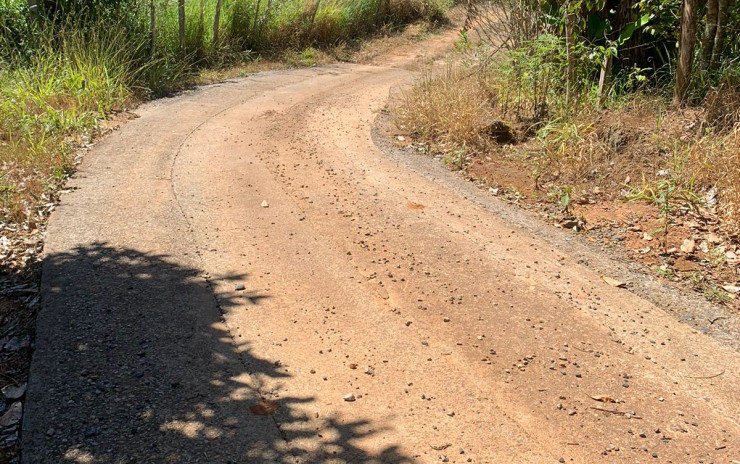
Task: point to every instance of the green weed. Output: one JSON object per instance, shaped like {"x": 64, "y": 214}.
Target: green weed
{"x": 716, "y": 295}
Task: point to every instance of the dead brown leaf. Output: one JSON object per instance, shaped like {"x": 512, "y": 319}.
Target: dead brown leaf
{"x": 412, "y": 205}
{"x": 265, "y": 408}
{"x": 603, "y": 398}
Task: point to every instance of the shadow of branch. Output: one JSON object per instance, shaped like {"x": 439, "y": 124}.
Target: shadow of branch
{"x": 134, "y": 364}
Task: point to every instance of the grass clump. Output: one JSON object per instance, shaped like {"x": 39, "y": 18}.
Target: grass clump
{"x": 451, "y": 110}
{"x": 47, "y": 104}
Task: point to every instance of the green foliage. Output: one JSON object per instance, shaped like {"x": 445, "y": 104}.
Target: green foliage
{"x": 716, "y": 295}
{"x": 530, "y": 79}
{"x": 663, "y": 18}
{"x": 18, "y": 36}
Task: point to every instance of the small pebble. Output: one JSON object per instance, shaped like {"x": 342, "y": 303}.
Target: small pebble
{"x": 239, "y": 287}
{"x": 349, "y": 397}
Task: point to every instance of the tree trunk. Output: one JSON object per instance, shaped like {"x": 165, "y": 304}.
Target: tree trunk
{"x": 723, "y": 15}
{"x": 470, "y": 15}
{"x": 216, "y": 23}
{"x": 605, "y": 77}
{"x": 710, "y": 33}
{"x": 152, "y": 28}
{"x": 181, "y": 24}
{"x": 256, "y": 16}
{"x": 201, "y": 25}
{"x": 686, "y": 44}
{"x": 569, "y": 45}
{"x": 314, "y": 10}
{"x": 265, "y": 16}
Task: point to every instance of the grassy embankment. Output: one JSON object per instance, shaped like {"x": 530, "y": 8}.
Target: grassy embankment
{"x": 505, "y": 117}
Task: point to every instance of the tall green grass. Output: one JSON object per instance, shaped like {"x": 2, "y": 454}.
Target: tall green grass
{"x": 48, "y": 103}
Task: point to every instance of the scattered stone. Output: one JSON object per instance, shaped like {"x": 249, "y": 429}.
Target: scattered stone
{"x": 688, "y": 246}
{"x": 239, "y": 287}
{"x": 446, "y": 319}
{"x": 713, "y": 238}
{"x": 264, "y": 204}
{"x": 12, "y": 345}
{"x": 12, "y": 392}
{"x": 572, "y": 412}
{"x": 408, "y": 323}
{"x": 349, "y": 397}
{"x": 13, "y": 415}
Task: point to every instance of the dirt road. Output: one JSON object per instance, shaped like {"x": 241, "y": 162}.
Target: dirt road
{"x": 248, "y": 246}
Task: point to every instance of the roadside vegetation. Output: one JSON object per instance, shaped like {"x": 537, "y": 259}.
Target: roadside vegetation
{"x": 600, "y": 105}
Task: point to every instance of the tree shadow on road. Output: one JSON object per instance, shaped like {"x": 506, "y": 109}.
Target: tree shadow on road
{"x": 135, "y": 365}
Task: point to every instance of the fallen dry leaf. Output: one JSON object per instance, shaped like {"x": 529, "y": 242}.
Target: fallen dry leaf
{"x": 264, "y": 408}
{"x": 688, "y": 246}
{"x": 614, "y": 282}
{"x": 603, "y": 398}
{"x": 411, "y": 205}
{"x": 731, "y": 288}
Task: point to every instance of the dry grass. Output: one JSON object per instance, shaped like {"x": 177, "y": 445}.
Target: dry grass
{"x": 641, "y": 142}
{"x": 453, "y": 110}
{"x": 715, "y": 161}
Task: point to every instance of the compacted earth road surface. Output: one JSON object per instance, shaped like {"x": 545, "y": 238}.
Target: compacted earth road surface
{"x": 241, "y": 275}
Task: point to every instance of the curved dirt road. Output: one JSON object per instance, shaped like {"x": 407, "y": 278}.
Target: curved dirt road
{"x": 175, "y": 301}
